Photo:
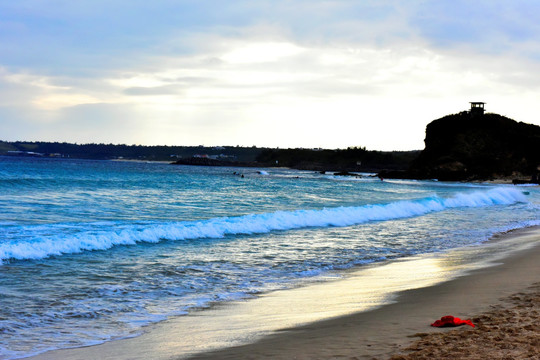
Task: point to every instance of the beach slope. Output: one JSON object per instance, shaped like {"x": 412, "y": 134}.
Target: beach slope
{"x": 390, "y": 329}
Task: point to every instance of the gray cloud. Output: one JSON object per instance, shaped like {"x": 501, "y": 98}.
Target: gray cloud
{"x": 155, "y": 90}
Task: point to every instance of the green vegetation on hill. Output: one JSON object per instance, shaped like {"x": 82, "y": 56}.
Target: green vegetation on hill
{"x": 351, "y": 159}
{"x": 5, "y": 147}
{"x": 132, "y": 152}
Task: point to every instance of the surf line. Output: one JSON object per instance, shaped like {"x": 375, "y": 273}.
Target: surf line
{"x": 45, "y": 246}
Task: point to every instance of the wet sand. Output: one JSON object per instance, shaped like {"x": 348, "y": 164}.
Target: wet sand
{"x": 389, "y": 330}
{"x": 357, "y": 326}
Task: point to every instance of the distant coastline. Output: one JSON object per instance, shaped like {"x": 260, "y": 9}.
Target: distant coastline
{"x": 353, "y": 159}
{"x": 468, "y": 146}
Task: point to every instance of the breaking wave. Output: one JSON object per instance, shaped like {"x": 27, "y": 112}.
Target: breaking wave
{"x": 42, "y": 244}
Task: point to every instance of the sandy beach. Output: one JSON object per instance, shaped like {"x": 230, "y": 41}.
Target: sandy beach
{"x": 496, "y": 283}
{"x": 509, "y": 330}
{"x": 508, "y": 289}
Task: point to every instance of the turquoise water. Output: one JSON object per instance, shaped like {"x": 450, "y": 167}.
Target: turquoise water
{"x": 93, "y": 251}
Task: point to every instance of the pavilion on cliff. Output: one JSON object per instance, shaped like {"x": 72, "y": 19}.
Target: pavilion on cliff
{"x": 477, "y": 108}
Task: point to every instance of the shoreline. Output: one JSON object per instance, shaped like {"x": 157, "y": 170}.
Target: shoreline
{"x": 389, "y": 330}
{"x": 468, "y": 282}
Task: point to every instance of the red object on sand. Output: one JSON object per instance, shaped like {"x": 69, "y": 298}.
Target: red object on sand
{"x": 449, "y": 320}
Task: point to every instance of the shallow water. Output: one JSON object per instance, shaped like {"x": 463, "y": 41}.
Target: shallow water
{"x": 95, "y": 250}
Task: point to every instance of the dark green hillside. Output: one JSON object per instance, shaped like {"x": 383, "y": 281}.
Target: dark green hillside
{"x": 132, "y": 152}
{"x": 469, "y": 146}
{"x": 351, "y": 159}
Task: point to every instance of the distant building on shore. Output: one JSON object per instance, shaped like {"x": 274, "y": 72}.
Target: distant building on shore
{"x": 477, "y": 108}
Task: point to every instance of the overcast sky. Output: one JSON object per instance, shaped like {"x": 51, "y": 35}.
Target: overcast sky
{"x": 296, "y": 73}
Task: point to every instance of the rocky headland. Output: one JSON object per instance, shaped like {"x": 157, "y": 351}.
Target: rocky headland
{"x": 472, "y": 146}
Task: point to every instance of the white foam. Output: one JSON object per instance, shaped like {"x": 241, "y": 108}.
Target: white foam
{"x": 46, "y": 245}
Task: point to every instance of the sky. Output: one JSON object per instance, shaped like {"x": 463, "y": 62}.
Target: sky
{"x": 280, "y": 73}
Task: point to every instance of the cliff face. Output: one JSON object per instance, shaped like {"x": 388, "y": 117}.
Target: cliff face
{"x": 478, "y": 147}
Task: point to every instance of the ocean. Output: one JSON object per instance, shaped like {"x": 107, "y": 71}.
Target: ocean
{"x": 94, "y": 251}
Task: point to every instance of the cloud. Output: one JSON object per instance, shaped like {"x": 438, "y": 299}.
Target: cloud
{"x": 86, "y": 123}
{"x": 153, "y": 90}
{"x": 276, "y": 73}
{"x": 28, "y": 90}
